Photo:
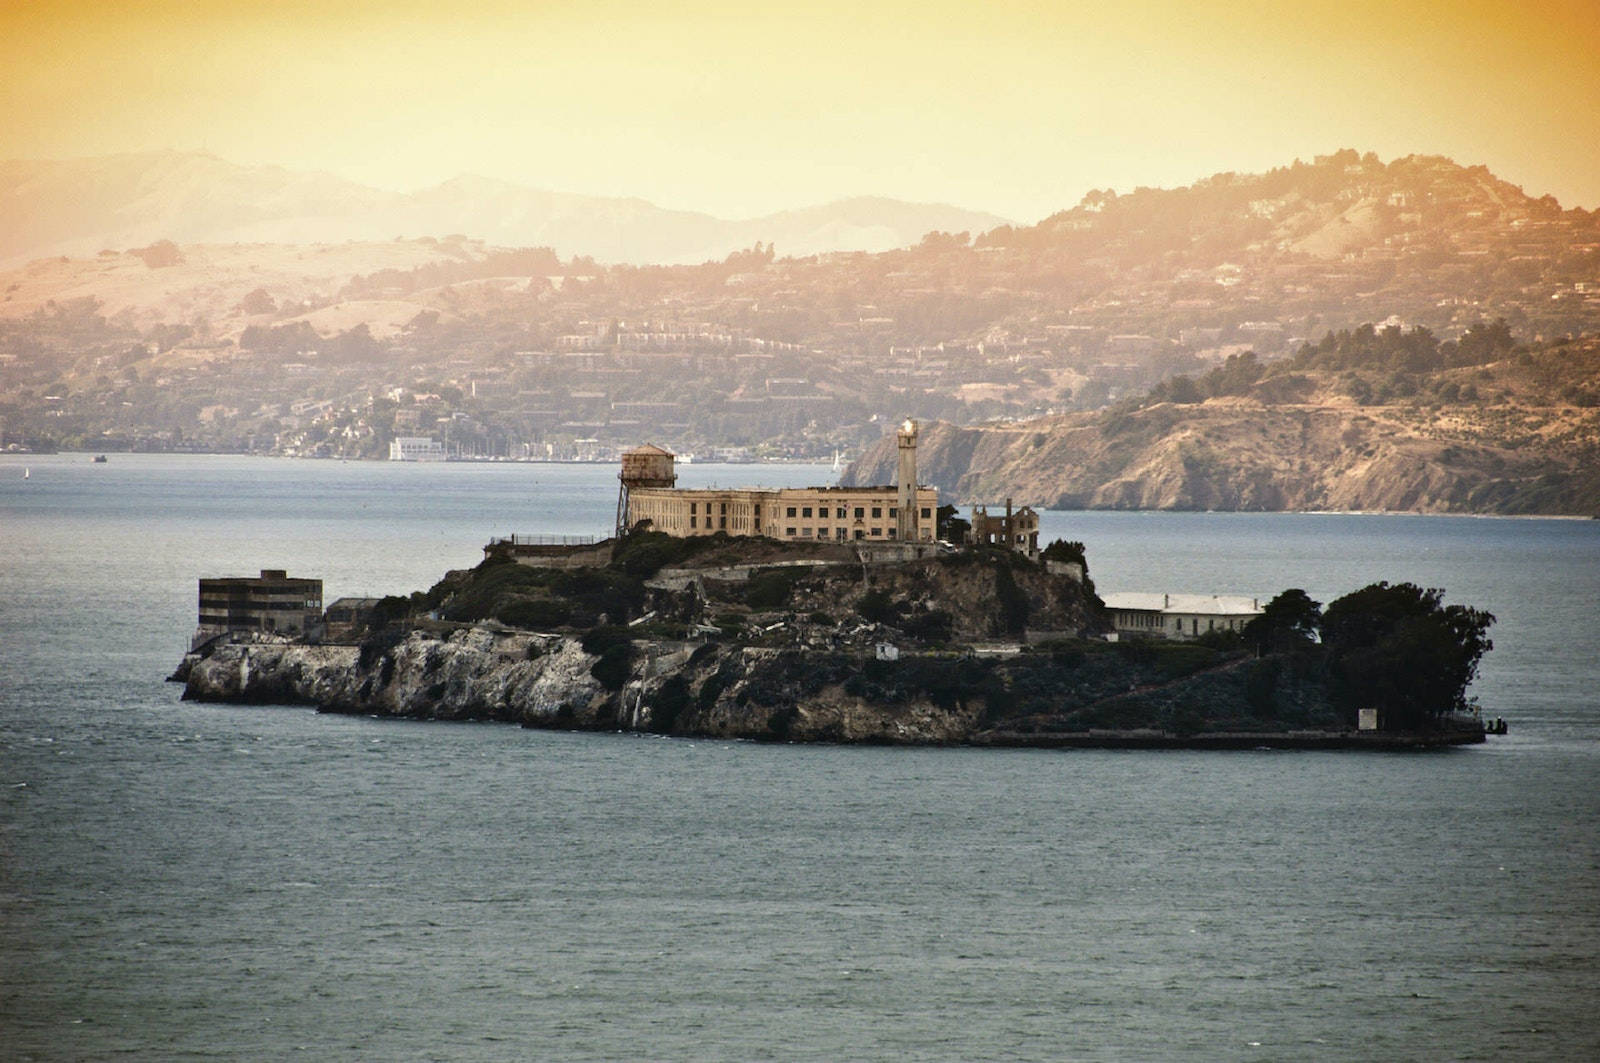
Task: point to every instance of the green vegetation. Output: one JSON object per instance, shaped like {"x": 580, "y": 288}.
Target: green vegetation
{"x": 1399, "y": 649}
{"x": 1380, "y": 364}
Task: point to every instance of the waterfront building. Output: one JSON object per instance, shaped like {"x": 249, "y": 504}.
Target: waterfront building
{"x": 1139, "y": 614}
{"x": 272, "y": 603}
{"x": 901, "y": 512}
{"x": 416, "y": 448}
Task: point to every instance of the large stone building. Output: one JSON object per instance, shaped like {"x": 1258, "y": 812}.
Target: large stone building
{"x": 274, "y": 603}
{"x": 902, "y": 512}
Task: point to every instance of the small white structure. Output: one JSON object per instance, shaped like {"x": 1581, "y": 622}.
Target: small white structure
{"x": 887, "y": 651}
{"x": 1366, "y": 719}
{"x": 1178, "y": 616}
{"x": 416, "y": 448}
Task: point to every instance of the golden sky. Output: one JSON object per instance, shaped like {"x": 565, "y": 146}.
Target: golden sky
{"x": 741, "y": 108}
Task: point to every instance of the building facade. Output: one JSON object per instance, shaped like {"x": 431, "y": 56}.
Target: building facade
{"x": 833, "y": 514}
{"x": 902, "y": 512}
{"x": 1018, "y": 530}
{"x": 1138, "y": 614}
{"x": 272, "y": 603}
{"x": 416, "y": 448}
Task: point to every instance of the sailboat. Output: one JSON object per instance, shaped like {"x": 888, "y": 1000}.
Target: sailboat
{"x": 838, "y": 465}
{"x": 26, "y": 472}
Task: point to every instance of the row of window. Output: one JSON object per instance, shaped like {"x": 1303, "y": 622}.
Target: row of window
{"x": 839, "y": 512}
{"x": 839, "y": 534}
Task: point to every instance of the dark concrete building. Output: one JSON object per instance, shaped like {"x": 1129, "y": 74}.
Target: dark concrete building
{"x": 271, "y": 603}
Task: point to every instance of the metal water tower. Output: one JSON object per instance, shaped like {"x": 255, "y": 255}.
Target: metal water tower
{"x": 646, "y": 466}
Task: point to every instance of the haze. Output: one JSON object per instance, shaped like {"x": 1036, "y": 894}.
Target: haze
{"x": 1014, "y": 108}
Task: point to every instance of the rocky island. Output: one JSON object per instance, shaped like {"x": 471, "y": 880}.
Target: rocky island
{"x": 745, "y": 637}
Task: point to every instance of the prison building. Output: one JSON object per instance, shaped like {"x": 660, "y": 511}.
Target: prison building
{"x": 902, "y": 512}
{"x": 832, "y": 514}
{"x": 273, "y": 602}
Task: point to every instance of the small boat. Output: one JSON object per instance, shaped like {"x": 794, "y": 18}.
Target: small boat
{"x": 99, "y": 459}
{"x": 26, "y": 473}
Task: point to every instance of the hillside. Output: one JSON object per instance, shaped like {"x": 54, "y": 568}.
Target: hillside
{"x": 82, "y": 206}
{"x": 1516, "y": 435}
{"x": 310, "y": 349}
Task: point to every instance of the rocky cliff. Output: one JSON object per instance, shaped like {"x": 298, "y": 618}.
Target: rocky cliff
{"x": 1530, "y": 444}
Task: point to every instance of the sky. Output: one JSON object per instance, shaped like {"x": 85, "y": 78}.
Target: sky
{"x": 738, "y": 109}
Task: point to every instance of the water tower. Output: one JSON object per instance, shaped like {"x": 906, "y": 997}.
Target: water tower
{"x": 646, "y": 466}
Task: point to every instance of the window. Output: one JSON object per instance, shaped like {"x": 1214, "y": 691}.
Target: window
{"x": 877, "y": 512}
{"x": 877, "y": 531}
{"x": 789, "y": 532}
{"x": 839, "y": 513}
{"x": 693, "y": 521}
{"x": 723, "y": 522}
{"x": 692, "y": 506}
{"x": 927, "y": 514}
{"x": 724, "y": 507}
{"x": 806, "y": 512}
{"x": 841, "y": 533}
{"x": 791, "y": 513}
{"x": 860, "y": 512}
{"x": 893, "y": 512}
{"x": 894, "y": 533}
{"x": 860, "y": 534}
{"x": 758, "y": 512}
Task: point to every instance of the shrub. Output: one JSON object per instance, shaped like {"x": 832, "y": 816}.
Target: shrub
{"x": 534, "y": 613}
{"x": 876, "y": 607}
{"x": 614, "y": 666}
{"x": 1014, "y": 608}
{"x": 771, "y": 589}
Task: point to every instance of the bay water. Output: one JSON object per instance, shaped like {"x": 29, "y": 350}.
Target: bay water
{"x": 182, "y": 881}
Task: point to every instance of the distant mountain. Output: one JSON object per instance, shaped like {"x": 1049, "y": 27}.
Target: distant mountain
{"x": 82, "y": 206}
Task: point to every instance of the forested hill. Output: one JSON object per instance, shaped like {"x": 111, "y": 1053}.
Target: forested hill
{"x": 1362, "y": 420}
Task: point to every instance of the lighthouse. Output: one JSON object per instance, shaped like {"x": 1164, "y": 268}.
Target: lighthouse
{"x": 906, "y": 482}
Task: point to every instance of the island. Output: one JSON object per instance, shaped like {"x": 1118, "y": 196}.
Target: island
{"x": 749, "y": 637}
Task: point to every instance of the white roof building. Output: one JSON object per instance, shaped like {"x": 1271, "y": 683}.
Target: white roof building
{"x": 1178, "y": 616}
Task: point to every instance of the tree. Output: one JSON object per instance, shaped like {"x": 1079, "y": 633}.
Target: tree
{"x": 1289, "y": 622}
{"x": 1398, "y": 649}
{"x": 952, "y": 528}
{"x": 258, "y": 302}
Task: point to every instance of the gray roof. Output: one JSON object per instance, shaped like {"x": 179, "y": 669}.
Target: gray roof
{"x": 1187, "y": 604}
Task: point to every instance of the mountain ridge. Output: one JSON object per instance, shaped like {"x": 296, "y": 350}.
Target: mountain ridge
{"x": 79, "y": 207}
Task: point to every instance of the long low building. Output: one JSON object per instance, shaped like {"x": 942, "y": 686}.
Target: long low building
{"x": 902, "y": 512}
{"x": 839, "y": 514}
{"x": 1142, "y": 614}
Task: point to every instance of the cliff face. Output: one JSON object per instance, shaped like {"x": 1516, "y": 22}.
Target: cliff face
{"x": 540, "y": 681}
{"x": 1243, "y": 455}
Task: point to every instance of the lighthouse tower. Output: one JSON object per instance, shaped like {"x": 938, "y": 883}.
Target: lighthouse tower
{"x": 906, "y": 482}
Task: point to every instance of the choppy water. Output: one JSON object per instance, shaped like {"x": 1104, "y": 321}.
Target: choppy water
{"x": 181, "y": 881}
